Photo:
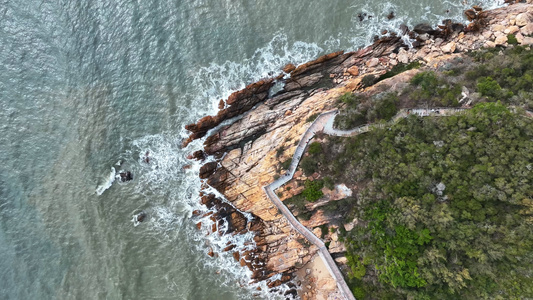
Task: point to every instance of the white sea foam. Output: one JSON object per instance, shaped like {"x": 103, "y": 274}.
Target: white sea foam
{"x": 107, "y": 183}
{"x": 218, "y": 81}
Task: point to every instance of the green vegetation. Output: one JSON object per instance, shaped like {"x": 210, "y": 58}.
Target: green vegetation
{"x": 445, "y": 204}
{"x": 368, "y": 80}
{"x": 511, "y": 68}
{"x": 314, "y": 148}
{"x": 486, "y": 75}
{"x": 312, "y": 191}
{"x": 360, "y": 110}
{"x": 312, "y": 117}
{"x": 329, "y": 183}
{"x": 280, "y": 151}
{"x": 434, "y": 91}
{"x": 511, "y": 39}
{"x": 308, "y": 165}
{"x": 286, "y": 164}
{"x": 349, "y": 99}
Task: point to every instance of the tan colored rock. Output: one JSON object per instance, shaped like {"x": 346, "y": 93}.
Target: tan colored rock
{"x": 318, "y": 232}
{"x": 354, "y": 70}
{"x": 487, "y": 34}
{"x": 527, "y": 30}
{"x": 527, "y": 41}
{"x": 448, "y": 48}
{"x": 501, "y": 40}
{"x": 519, "y": 38}
{"x": 523, "y": 19}
{"x": 490, "y": 44}
{"x": 511, "y": 30}
{"x": 498, "y": 27}
{"x": 403, "y": 56}
{"x": 372, "y": 62}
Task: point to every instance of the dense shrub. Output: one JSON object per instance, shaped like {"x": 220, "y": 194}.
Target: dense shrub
{"x": 385, "y": 107}
{"x": 511, "y": 39}
{"x": 349, "y": 99}
{"x": 489, "y": 87}
{"x": 329, "y": 183}
{"x": 368, "y": 80}
{"x": 308, "y": 165}
{"x": 312, "y": 191}
{"x": 434, "y": 91}
{"x": 315, "y": 148}
{"x": 470, "y": 241}
{"x": 312, "y": 117}
{"x": 286, "y": 164}
{"x": 349, "y": 120}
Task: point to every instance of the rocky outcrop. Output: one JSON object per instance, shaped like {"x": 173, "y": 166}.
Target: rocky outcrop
{"x": 255, "y": 145}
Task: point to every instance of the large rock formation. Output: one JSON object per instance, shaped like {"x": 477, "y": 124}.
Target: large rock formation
{"x": 255, "y": 145}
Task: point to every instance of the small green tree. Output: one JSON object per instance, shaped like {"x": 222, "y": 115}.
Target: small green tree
{"x": 308, "y": 165}
{"x": 315, "y": 148}
{"x": 312, "y": 191}
{"x": 488, "y": 87}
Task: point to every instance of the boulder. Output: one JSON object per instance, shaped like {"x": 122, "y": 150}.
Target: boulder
{"x": 126, "y": 176}
{"x": 527, "y": 30}
{"x": 423, "y": 28}
{"x": 470, "y": 14}
{"x": 372, "y": 62}
{"x": 498, "y": 27}
{"x": 140, "y": 216}
{"x": 288, "y": 68}
{"x": 501, "y": 40}
{"x": 353, "y": 70}
{"x": 511, "y": 30}
{"x": 490, "y": 44}
{"x": 522, "y": 19}
{"x": 448, "y": 48}
{"x": 404, "y": 29}
{"x": 527, "y": 41}
{"x": 403, "y": 56}
{"x": 208, "y": 169}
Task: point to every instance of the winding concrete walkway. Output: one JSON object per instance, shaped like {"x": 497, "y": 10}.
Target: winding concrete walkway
{"x": 324, "y": 122}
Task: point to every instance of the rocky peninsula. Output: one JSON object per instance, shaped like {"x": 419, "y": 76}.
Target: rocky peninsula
{"x": 268, "y": 118}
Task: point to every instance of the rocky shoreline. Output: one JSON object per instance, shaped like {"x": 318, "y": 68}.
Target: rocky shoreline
{"x": 249, "y": 151}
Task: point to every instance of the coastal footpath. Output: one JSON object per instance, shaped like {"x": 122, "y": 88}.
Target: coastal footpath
{"x": 249, "y": 151}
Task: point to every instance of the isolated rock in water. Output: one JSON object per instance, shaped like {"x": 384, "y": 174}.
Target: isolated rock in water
{"x": 140, "y": 217}
{"x": 198, "y": 155}
{"x": 404, "y": 29}
{"x": 423, "y": 28}
{"x": 391, "y": 15}
{"x": 470, "y": 14}
{"x": 126, "y": 176}
{"x": 147, "y": 157}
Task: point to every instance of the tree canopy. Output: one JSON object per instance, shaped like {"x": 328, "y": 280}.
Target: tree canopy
{"x": 445, "y": 206}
